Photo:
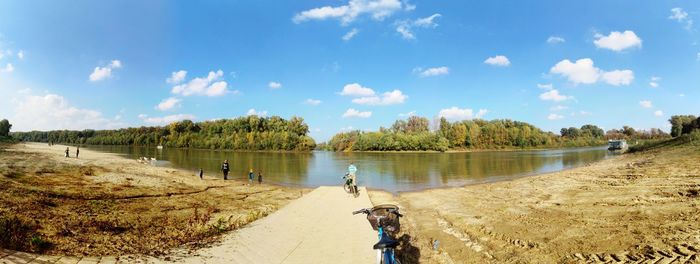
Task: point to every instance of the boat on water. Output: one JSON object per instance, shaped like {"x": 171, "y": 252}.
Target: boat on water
{"x": 617, "y": 144}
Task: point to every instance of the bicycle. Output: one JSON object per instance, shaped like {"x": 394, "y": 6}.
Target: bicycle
{"x": 349, "y": 186}
{"x": 384, "y": 219}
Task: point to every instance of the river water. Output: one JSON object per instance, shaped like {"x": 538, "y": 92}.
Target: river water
{"x": 393, "y": 172}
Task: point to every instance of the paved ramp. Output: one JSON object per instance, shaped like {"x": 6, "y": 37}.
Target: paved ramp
{"x": 316, "y": 228}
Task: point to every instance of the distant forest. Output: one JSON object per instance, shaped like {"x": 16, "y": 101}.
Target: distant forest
{"x": 414, "y": 134}
{"x": 242, "y": 133}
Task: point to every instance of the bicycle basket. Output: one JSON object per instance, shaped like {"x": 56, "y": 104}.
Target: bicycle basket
{"x": 390, "y": 220}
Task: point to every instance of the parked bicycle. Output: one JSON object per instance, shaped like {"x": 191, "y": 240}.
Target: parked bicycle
{"x": 349, "y": 186}
{"x": 385, "y": 220}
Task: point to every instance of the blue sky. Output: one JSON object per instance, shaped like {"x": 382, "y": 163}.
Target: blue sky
{"x": 356, "y": 64}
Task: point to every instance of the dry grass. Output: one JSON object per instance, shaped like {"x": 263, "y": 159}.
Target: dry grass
{"x": 53, "y": 207}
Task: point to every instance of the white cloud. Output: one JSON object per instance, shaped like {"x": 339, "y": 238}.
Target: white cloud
{"x": 412, "y": 113}
{"x": 555, "y": 40}
{"x": 658, "y": 113}
{"x": 101, "y": 73}
{"x": 681, "y": 16}
{"x": 165, "y": 119}
{"x": 645, "y": 103}
{"x": 53, "y": 112}
{"x": 618, "y": 77}
{"x": 553, "y": 95}
{"x": 20, "y": 54}
{"x": 274, "y": 85}
{"x": 312, "y": 101}
{"x": 387, "y": 98}
{"x": 554, "y": 116}
{"x": 443, "y": 70}
{"x": 654, "y": 82}
{"x": 681, "y": 95}
{"x": 584, "y": 113}
{"x": 377, "y": 9}
{"x": 8, "y": 68}
{"x": 405, "y": 27}
{"x": 177, "y": 77}
{"x": 558, "y": 108}
{"x": 204, "y": 86}
{"x": 698, "y": 56}
{"x": 618, "y": 41}
{"x": 583, "y": 71}
{"x": 350, "y": 34}
{"x": 252, "y": 111}
{"x": 547, "y": 86}
{"x": 354, "y": 113}
{"x": 168, "y": 104}
{"x": 499, "y": 60}
{"x": 455, "y": 113}
{"x": 355, "y": 89}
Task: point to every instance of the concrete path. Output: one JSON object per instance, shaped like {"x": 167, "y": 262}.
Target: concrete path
{"x": 316, "y": 228}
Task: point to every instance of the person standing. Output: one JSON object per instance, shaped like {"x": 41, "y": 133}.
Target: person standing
{"x": 251, "y": 175}
{"x": 77, "y": 152}
{"x": 201, "y": 174}
{"x": 225, "y": 168}
{"x": 67, "y": 151}
{"x": 352, "y": 170}
{"x": 259, "y": 177}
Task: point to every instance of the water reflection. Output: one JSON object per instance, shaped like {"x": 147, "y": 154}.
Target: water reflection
{"x": 389, "y": 171}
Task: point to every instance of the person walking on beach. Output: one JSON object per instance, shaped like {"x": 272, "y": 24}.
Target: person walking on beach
{"x": 225, "y": 168}
{"x": 259, "y": 177}
{"x": 67, "y": 151}
{"x": 352, "y": 171}
{"x": 77, "y": 152}
{"x": 201, "y": 174}
{"x": 251, "y": 175}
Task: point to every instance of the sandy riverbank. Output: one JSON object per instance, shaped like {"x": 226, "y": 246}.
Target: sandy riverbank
{"x": 104, "y": 204}
{"x": 629, "y": 208}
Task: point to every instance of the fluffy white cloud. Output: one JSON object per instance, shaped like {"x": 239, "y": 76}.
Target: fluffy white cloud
{"x": 177, "y": 77}
{"x": 350, "y": 34}
{"x": 377, "y": 9}
{"x": 274, "y": 85}
{"x": 312, "y": 101}
{"x": 252, "y": 111}
{"x": 168, "y": 104}
{"x": 555, "y": 40}
{"x": 443, "y": 70}
{"x": 681, "y": 16}
{"x": 355, "y": 89}
{"x": 654, "y": 82}
{"x": 101, "y": 73}
{"x": 583, "y": 71}
{"x": 553, "y": 95}
{"x": 8, "y": 68}
{"x": 618, "y": 41}
{"x": 354, "y": 113}
{"x": 554, "y": 116}
{"x": 658, "y": 113}
{"x": 499, "y": 60}
{"x": 618, "y": 77}
{"x": 164, "y": 120}
{"x": 20, "y": 54}
{"x": 204, "y": 86}
{"x": 645, "y": 103}
{"x": 405, "y": 27}
{"x": 547, "y": 86}
{"x": 455, "y": 113}
{"x": 387, "y": 98}
{"x": 52, "y": 112}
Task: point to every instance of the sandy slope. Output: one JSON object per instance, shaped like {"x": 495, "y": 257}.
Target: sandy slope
{"x": 317, "y": 228}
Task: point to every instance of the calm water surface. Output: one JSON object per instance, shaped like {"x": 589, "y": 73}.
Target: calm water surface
{"x": 389, "y": 171}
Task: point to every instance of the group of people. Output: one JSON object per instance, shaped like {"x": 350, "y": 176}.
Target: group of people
{"x": 77, "y": 152}
{"x": 225, "y": 168}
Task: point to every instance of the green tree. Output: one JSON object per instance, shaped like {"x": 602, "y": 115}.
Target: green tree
{"x": 5, "y": 127}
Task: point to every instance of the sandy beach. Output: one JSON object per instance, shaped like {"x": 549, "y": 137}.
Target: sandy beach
{"x": 640, "y": 207}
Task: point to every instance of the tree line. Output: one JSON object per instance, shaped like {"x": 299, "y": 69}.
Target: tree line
{"x": 242, "y": 133}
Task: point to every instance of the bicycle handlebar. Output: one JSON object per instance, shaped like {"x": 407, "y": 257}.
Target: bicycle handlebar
{"x": 368, "y": 211}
